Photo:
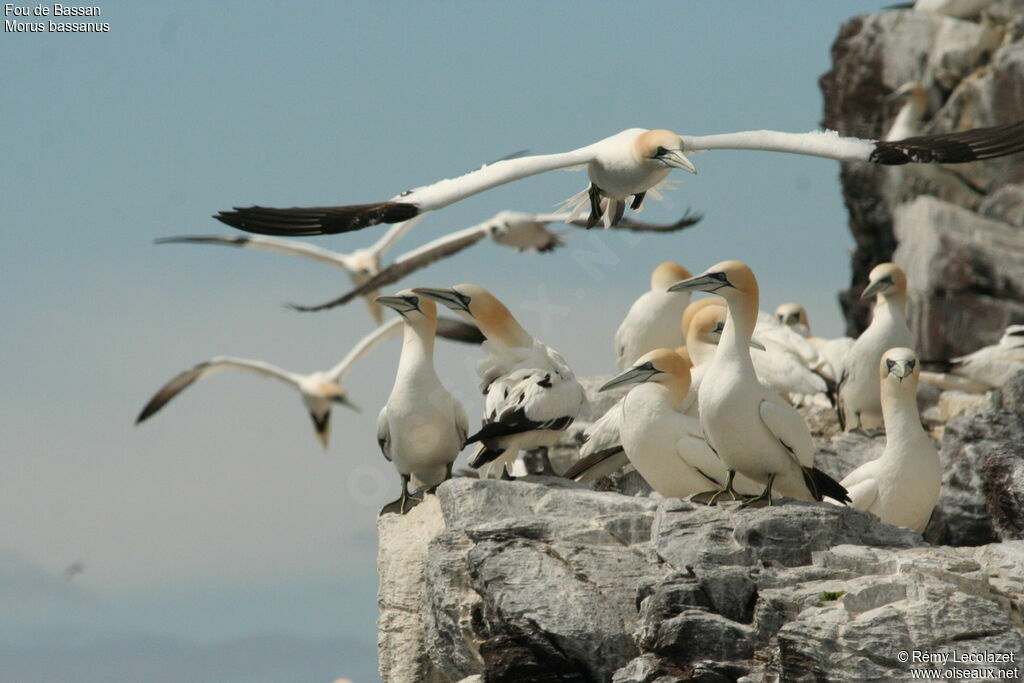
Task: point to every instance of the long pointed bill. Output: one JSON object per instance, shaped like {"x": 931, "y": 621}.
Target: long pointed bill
{"x": 343, "y": 400}
{"x": 448, "y": 297}
{"x": 637, "y": 375}
{"x": 698, "y": 283}
{"x": 872, "y": 289}
{"x": 757, "y": 345}
{"x": 402, "y": 304}
{"x": 677, "y": 159}
{"x": 900, "y": 368}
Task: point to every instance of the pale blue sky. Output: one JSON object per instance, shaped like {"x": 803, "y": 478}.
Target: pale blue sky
{"x": 221, "y": 526}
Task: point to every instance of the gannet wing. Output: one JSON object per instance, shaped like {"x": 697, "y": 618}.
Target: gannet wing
{"x": 407, "y": 263}
{"x": 790, "y": 430}
{"x": 384, "y": 433}
{"x": 687, "y": 220}
{"x": 603, "y": 434}
{"x": 598, "y": 464}
{"x": 948, "y": 148}
{"x": 268, "y": 244}
{"x": 394, "y": 233}
{"x": 458, "y": 330}
{"x": 183, "y": 380}
{"x": 461, "y": 421}
{"x": 326, "y": 220}
{"x": 363, "y": 347}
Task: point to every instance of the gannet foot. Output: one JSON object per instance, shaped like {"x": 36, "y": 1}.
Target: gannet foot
{"x": 713, "y": 500}
{"x": 405, "y": 502}
{"x": 505, "y": 476}
{"x": 708, "y": 497}
{"x": 765, "y": 498}
{"x": 595, "y": 206}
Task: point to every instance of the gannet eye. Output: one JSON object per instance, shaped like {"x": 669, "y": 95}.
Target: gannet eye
{"x": 720, "y": 327}
{"x": 889, "y": 365}
{"x": 661, "y": 151}
{"x": 649, "y": 366}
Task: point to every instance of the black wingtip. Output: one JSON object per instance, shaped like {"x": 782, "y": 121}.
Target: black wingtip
{"x": 952, "y": 148}
{"x": 328, "y": 220}
{"x": 824, "y": 486}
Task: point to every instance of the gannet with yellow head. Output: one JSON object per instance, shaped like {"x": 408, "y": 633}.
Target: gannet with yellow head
{"x": 902, "y": 485}
{"x": 531, "y": 393}
{"x": 859, "y": 398}
{"x": 754, "y": 431}
{"x": 832, "y": 351}
{"x": 422, "y": 428}
{"x": 653, "y": 320}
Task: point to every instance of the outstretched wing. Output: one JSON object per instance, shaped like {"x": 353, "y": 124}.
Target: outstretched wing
{"x": 268, "y": 244}
{"x": 689, "y": 219}
{"x": 364, "y": 346}
{"x": 185, "y": 379}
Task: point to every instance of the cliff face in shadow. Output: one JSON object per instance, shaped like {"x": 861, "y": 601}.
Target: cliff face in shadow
{"x": 972, "y": 72}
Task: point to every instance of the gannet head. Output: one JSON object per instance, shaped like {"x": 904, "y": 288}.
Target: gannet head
{"x": 696, "y": 307}
{"x": 707, "y": 326}
{"x": 417, "y": 310}
{"x": 886, "y": 279}
{"x": 898, "y": 364}
{"x": 791, "y": 315}
{"x": 662, "y": 147}
{"x": 667, "y": 274}
{"x": 725, "y": 279}
{"x": 913, "y": 93}
{"x": 663, "y": 366}
{"x": 1013, "y": 336}
{"x": 481, "y": 308}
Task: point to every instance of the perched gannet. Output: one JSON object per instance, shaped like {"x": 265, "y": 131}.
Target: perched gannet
{"x": 422, "y": 428}
{"x": 987, "y": 368}
{"x": 832, "y": 351}
{"x": 360, "y": 265}
{"x": 523, "y": 231}
{"x": 859, "y": 401}
{"x": 754, "y": 431}
{"x": 531, "y": 394}
{"x": 908, "y": 121}
{"x": 624, "y": 167}
{"x": 666, "y": 447}
{"x": 692, "y": 309}
{"x": 319, "y": 390}
{"x": 653, "y": 320}
{"x": 902, "y": 485}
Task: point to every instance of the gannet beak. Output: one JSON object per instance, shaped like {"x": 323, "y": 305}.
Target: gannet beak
{"x": 448, "y": 297}
{"x": 873, "y": 288}
{"x": 402, "y": 304}
{"x": 705, "y": 282}
{"x": 676, "y": 159}
{"x": 636, "y": 375}
{"x": 757, "y": 345}
{"x": 900, "y": 368}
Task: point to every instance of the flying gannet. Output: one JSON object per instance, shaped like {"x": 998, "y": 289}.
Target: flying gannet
{"x": 987, "y": 368}
{"x": 858, "y": 393}
{"x": 320, "y": 390}
{"x": 624, "y": 168}
{"x": 902, "y": 485}
{"x": 531, "y": 394}
{"x": 653, "y": 320}
{"x": 422, "y": 428}
{"x": 755, "y": 432}
{"x": 360, "y": 265}
{"x": 833, "y": 351}
{"x": 523, "y": 231}
{"x": 666, "y": 447}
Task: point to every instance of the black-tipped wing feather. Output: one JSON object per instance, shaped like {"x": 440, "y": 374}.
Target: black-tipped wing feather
{"x": 457, "y": 330}
{"x": 592, "y": 460}
{"x": 323, "y": 220}
{"x": 689, "y": 219}
{"x": 952, "y": 148}
{"x": 168, "y": 391}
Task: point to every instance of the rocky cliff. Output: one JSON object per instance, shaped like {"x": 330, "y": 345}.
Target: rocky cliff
{"x": 547, "y": 580}
{"x": 963, "y": 244}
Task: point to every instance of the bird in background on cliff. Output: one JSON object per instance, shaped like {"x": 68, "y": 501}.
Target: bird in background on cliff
{"x": 524, "y": 231}
{"x": 625, "y": 168}
{"x": 320, "y": 390}
{"x": 987, "y": 368}
{"x": 360, "y": 265}
{"x": 531, "y": 394}
{"x": 755, "y": 432}
{"x": 665, "y": 446}
{"x": 902, "y": 485}
{"x": 858, "y": 389}
{"x": 652, "y": 322}
{"x": 909, "y": 119}
{"x": 833, "y": 351}
{"x": 422, "y": 428}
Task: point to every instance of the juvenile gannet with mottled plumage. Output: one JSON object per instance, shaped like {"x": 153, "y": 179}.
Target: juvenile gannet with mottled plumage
{"x": 523, "y": 231}
{"x": 987, "y": 368}
{"x": 422, "y": 428}
{"x": 666, "y": 447}
{"x": 653, "y": 320}
{"x": 860, "y": 404}
{"x": 902, "y": 485}
{"x": 754, "y": 431}
{"x": 833, "y": 351}
{"x": 624, "y": 168}
{"x": 531, "y": 394}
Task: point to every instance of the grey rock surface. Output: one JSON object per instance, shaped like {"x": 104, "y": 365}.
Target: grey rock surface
{"x": 973, "y": 72}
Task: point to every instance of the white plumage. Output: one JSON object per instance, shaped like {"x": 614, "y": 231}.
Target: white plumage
{"x": 902, "y": 485}
{"x": 987, "y": 368}
{"x": 653, "y": 321}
